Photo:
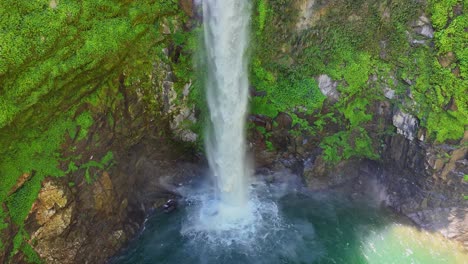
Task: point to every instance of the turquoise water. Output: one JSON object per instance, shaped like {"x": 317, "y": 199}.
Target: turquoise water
{"x": 295, "y": 227}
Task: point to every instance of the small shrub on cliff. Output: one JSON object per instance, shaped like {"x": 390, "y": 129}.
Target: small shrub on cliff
{"x": 262, "y": 9}
{"x": 348, "y": 144}
{"x": 105, "y": 163}
{"x": 441, "y": 11}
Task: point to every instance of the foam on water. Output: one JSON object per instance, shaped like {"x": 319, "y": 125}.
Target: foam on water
{"x": 261, "y": 232}
{"x": 289, "y": 225}
{"x": 210, "y": 221}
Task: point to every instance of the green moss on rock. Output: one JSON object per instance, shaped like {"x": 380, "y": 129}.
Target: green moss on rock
{"x": 58, "y": 59}
{"x": 352, "y": 41}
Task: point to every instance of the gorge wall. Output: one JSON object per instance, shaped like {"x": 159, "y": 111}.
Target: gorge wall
{"x": 363, "y": 92}
{"x": 87, "y": 102}
{"x": 102, "y": 110}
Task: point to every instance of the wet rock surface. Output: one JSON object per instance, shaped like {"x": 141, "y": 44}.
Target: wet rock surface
{"x": 424, "y": 182}
{"x": 406, "y": 124}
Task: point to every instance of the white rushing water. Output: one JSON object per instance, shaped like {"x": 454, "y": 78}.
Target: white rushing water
{"x": 225, "y": 212}
{"x": 226, "y": 36}
{"x": 233, "y": 211}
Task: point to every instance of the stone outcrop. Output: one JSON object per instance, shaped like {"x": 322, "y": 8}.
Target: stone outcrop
{"x": 415, "y": 176}
{"x": 175, "y": 106}
{"x": 328, "y": 87}
{"x": 421, "y": 181}
{"x": 406, "y": 124}
{"x": 426, "y": 183}
{"x": 423, "y": 27}
{"x": 284, "y": 121}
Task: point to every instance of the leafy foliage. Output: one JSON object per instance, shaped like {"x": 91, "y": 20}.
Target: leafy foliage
{"x": 3, "y": 225}
{"x": 288, "y": 92}
{"x": 104, "y": 163}
{"x": 447, "y": 100}
{"x": 20, "y": 243}
{"x": 262, "y": 14}
{"x": 344, "y": 145}
{"x": 84, "y": 121}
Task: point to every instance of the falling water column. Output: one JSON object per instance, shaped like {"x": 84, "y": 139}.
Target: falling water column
{"x": 226, "y": 36}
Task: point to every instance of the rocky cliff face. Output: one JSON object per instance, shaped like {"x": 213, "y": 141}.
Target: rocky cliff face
{"x": 90, "y": 129}
{"x": 87, "y": 223}
{"x": 426, "y": 183}
{"x": 101, "y": 204}
{"x": 374, "y": 132}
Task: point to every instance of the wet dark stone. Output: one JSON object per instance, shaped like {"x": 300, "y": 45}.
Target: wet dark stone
{"x": 170, "y": 206}
{"x": 284, "y": 121}
{"x": 262, "y": 121}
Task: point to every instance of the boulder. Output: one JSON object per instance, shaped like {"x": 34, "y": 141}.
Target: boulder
{"x": 328, "y": 87}
{"x": 103, "y": 194}
{"x": 389, "y": 93}
{"x": 406, "y": 124}
{"x": 52, "y": 212}
{"x": 451, "y": 222}
{"x": 447, "y": 59}
{"x": 424, "y": 27}
{"x": 262, "y": 121}
{"x": 284, "y": 121}
{"x": 187, "y": 6}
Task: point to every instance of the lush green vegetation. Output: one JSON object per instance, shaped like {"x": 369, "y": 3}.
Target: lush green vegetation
{"x": 3, "y": 225}
{"x": 46, "y": 49}
{"x": 58, "y": 62}
{"x": 290, "y": 86}
{"x": 285, "y": 92}
{"x": 446, "y": 98}
{"x": 37, "y": 154}
{"x": 104, "y": 164}
{"x": 351, "y": 42}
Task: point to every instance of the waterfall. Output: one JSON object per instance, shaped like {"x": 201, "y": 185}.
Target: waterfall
{"x": 226, "y": 36}
{"x": 230, "y": 213}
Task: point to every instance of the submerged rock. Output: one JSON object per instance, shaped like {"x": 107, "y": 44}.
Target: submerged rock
{"x": 170, "y": 206}
{"x": 450, "y": 222}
